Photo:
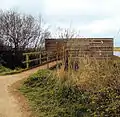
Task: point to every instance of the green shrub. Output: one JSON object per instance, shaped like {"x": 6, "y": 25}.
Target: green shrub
{"x": 50, "y": 98}
{"x": 91, "y": 91}
{"x": 4, "y": 69}
{"x": 105, "y": 102}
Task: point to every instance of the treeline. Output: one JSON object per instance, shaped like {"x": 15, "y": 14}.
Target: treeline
{"x": 20, "y": 33}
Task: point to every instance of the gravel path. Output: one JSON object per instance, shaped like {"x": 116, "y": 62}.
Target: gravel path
{"x": 9, "y": 105}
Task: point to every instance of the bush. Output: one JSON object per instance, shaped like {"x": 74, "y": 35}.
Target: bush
{"x": 101, "y": 80}
{"x": 4, "y": 69}
{"x": 105, "y": 102}
{"x": 91, "y": 91}
{"x": 50, "y": 98}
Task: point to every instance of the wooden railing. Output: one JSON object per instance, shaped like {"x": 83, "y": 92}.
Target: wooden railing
{"x": 43, "y": 57}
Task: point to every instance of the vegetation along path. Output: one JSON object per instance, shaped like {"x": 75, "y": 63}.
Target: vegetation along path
{"x": 9, "y": 105}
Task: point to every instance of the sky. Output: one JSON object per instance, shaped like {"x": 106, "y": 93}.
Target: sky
{"x": 91, "y": 18}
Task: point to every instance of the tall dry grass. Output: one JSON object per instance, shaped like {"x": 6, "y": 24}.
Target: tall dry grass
{"x": 93, "y": 75}
{"x": 98, "y": 80}
{"x": 90, "y": 91}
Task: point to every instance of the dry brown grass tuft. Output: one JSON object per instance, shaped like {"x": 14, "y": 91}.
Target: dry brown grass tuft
{"x": 93, "y": 75}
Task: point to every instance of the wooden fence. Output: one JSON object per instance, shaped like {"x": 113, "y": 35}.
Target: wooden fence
{"x": 42, "y": 57}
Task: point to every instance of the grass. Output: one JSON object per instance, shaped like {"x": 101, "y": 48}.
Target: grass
{"x": 49, "y": 98}
{"x": 116, "y": 48}
{"x": 8, "y": 71}
{"x": 91, "y": 91}
{"x": 4, "y": 69}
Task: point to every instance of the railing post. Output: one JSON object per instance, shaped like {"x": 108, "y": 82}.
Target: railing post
{"x": 27, "y": 61}
{"x": 47, "y": 60}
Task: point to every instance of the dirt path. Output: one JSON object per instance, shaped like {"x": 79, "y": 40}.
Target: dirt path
{"x": 9, "y": 105}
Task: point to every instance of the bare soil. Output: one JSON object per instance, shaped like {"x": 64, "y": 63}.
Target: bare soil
{"x": 12, "y": 102}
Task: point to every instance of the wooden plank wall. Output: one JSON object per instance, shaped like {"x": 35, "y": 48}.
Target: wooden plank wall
{"x": 101, "y": 48}
{"x": 54, "y": 44}
{"x": 93, "y": 47}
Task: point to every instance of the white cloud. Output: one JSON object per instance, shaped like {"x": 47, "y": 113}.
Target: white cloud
{"x": 7, "y": 4}
{"x": 53, "y": 7}
{"x": 103, "y": 26}
{"x": 63, "y": 6}
{"x": 27, "y": 6}
{"x": 91, "y": 17}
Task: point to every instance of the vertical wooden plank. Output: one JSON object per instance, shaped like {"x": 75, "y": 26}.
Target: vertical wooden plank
{"x": 57, "y": 60}
{"x": 27, "y": 61}
{"x": 63, "y": 55}
{"x": 66, "y": 60}
{"x": 47, "y": 60}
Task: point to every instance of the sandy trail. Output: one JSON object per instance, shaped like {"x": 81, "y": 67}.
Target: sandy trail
{"x": 9, "y": 106}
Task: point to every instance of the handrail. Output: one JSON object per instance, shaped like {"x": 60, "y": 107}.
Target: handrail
{"x": 43, "y": 57}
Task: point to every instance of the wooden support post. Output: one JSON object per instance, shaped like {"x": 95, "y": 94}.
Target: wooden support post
{"x": 63, "y": 56}
{"x": 66, "y": 60}
{"x": 57, "y": 61}
{"x": 47, "y": 60}
{"x": 27, "y": 61}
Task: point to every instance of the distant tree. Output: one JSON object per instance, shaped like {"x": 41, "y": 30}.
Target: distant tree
{"x": 66, "y": 33}
{"x": 21, "y": 31}
{"x": 1, "y": 43}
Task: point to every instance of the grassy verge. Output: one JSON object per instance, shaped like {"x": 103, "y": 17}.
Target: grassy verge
{"x": 7, "y": 71}
{"x": 91, "y": 91}
{"x": 4, "y": 69}
{"x": 50, "y": 98}
{"x": 116, "y": 48}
